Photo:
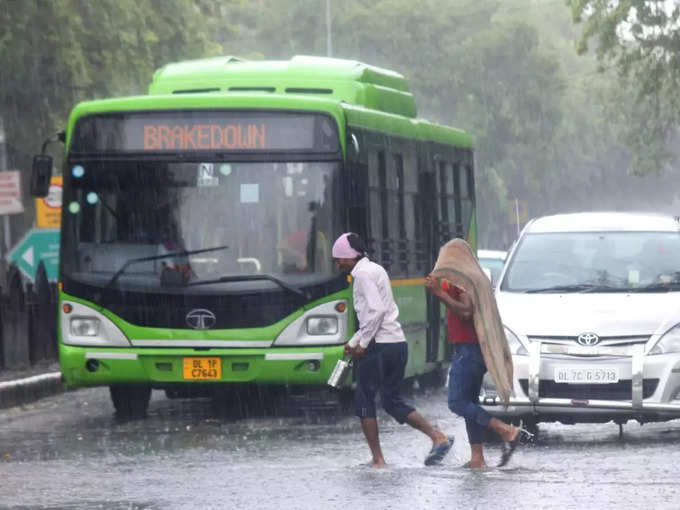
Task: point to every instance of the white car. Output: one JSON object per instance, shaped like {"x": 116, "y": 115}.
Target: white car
{"x": 591, "y": 307}
{"x": 492, "y": 263}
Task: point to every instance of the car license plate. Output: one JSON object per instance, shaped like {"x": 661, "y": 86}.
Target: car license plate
{"x": 202, "y": 368}
{"x": 586, "y": 375}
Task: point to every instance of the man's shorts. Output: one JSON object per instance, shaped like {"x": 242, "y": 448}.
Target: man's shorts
{"x": 382, "y": 370}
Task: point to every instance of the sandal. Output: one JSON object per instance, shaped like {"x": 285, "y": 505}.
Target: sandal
{"x": 438, "y": 452}
{"x": 509, "y": 447}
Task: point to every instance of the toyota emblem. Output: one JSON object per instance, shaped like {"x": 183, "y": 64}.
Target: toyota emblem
{"x": 200, "y": 318}
{"x": 588, "y": 339}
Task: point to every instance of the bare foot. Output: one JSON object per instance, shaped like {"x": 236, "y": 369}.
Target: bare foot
{"x": 378, "y": 464}
{"x": 441, "y": 439}
{"x": 510, "y": 434}
{"x": 478, "y": 464}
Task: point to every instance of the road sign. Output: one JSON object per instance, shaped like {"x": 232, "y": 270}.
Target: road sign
{"x": 10, "y": 192}
{"x": 48, "y": 209}
{"x": 37, "y": 245}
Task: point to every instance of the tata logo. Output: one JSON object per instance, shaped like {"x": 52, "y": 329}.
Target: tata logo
{"x": 200, "y": 318}
{"x": 588, "y": 339}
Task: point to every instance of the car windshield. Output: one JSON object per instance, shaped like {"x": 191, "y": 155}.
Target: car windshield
{"x": 216, "y": 219}
{"x": 595, "y": 261}
{"x": 495, "y": 266}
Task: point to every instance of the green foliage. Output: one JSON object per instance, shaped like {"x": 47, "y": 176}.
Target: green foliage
{"x": 470, "y": 65}
{"x": 57, "y": 53}
{"x": 641, "y": 39}
{"x": 549, "y": 128}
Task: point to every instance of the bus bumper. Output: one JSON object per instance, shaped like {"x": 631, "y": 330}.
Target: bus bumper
{"x": 88, "y": 366}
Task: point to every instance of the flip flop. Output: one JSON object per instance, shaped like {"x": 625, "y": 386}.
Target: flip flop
{"x": 438, "y": 452}
{"x": 509, "y": 447}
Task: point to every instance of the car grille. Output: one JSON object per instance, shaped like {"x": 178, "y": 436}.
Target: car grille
{"x": 604, "y": 340}
{"x": 616, "y": 391}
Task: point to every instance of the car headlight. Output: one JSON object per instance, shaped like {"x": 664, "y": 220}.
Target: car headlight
{"x": 322, "y": 325}
{"x": 669, "y": 342}
{"x": 516, "y": 347}
{"x": 82, "y": 326}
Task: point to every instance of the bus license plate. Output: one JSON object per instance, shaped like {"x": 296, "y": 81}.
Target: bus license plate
{"x": 586, "y": 375}
{"x": 203, "y": 369}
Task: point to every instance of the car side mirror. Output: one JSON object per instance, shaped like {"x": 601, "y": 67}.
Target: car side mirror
{"x": 487, "y": 272}
{"x": 41, "y": 175}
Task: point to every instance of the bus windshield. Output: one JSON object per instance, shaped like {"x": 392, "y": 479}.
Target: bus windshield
{"x": 215, "y": 219}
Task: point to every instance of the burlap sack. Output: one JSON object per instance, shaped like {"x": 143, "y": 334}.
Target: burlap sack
{"x": 457, "y": 264}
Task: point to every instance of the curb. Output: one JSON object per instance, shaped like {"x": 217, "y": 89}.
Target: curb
{"x": 29, "y": 389}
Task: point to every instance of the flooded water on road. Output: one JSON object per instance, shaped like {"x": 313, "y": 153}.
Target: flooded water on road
{"x": 68, "y": 451}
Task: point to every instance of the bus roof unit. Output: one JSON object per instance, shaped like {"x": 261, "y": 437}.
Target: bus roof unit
{"x": 348, "y": 81}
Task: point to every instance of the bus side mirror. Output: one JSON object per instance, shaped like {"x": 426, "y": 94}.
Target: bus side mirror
{"x": 40, "y": 178}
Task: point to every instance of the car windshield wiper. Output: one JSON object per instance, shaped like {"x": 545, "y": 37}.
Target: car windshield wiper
{"x": 577, "y": 287}
{"x": 185, "y": 253}
{"x": 656, "y": 287}
{"x": 253, "y": 278}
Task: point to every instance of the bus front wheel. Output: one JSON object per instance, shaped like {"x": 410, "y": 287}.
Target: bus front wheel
{"x": 434, "y": 379}
{"x": 130, "y": 400}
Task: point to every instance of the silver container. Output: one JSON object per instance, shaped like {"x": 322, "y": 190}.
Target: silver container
{"x": 340, "y": 373}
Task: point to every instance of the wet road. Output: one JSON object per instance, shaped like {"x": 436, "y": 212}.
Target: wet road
{"x": 68, "y": 452}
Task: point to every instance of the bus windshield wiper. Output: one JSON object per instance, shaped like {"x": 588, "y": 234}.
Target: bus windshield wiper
{"x": 184, "y": 253}
{"x": 576, "y": 287}
{"x": 253, "y": 278}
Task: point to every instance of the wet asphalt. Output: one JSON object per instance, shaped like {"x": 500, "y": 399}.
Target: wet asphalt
{"x": 70, "y": 452}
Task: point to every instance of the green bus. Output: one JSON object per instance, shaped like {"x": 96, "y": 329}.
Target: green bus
{"x": 198, "y": 222}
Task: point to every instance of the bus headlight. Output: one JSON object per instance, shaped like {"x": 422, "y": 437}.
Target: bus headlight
{"x": 516, "y": 346}
{"x": 325, "y": 324}
{"x": 82, "y": 326}
{"x": 322, "y": 325}
{"x": 669, "y": 342}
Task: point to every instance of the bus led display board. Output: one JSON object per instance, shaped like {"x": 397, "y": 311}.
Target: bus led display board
{"x": 204, "y": 131}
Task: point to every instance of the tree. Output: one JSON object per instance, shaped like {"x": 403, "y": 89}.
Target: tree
{"x": 641, "y": 39}
{"x": 57, "y": 53}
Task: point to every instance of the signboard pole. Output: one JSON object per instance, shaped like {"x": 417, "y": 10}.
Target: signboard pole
{"x": 7, "y": 236}
{"x": 329, "y": 28}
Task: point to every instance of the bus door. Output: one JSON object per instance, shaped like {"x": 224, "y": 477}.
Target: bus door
{"x": 441, "y": 182}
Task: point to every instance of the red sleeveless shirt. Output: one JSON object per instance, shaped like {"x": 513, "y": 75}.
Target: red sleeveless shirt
{"x": 461, "y": 331}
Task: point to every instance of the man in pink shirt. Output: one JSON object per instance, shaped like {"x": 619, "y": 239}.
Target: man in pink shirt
{"x": 380, "y": 351}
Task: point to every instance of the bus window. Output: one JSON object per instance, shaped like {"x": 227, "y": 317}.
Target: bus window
{"x": 401, "y": 243}
{"x": 458, "y": 193}
{"x": 410, "y": 235}
{"x": 377, "y": 210}
{"x": 386, "y": 253}
{"x": 467, "y": 201}
{"x": 445, "y": 182}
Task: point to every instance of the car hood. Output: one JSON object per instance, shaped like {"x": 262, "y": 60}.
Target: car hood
{"x": 607, "y": 314}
